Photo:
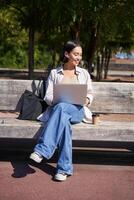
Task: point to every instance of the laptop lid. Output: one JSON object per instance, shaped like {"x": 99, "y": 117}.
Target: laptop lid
{"x": 70, "y": 93}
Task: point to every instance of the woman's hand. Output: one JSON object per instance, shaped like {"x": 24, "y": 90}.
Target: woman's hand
{"x": 87, "y": 101}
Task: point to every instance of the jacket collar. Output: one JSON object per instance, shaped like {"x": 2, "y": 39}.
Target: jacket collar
{"x": 77, "y": 69}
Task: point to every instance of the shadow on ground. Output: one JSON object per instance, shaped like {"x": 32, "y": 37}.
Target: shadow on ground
{"x": 22, "y": 165}
{"x": 23, "y": 168}
{"x": 80, "y": 156}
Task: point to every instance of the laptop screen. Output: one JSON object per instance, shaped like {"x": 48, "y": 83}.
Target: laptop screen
{"x": 70, "y": 93}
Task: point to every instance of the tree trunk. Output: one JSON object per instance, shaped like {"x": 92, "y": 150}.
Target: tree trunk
{"x": 102, "y": 63}
{"x": 31, "y": 53}
{"x": 53, "y": 58}
{"x": 75, "y": 28}
{"x": 92, "y": 46}
{"x": 108, "y": 56}
{"x": 98, "y": 67}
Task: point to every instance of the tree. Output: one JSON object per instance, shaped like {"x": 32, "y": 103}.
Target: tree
{"x": 116, "y": 32}
{"x": 101, "y": 25}
{"x": 31, "y": 15}
{"x": 12, "y": 40}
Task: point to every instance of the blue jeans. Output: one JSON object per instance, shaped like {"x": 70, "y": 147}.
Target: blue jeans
{"x": 58, "y": 134}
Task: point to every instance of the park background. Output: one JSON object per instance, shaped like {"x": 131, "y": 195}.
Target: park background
{"x": 33, "y": 32}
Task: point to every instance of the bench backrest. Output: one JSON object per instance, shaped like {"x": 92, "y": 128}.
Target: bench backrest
{"x": 109, "y": 97}
{"x": 113, "y": 97}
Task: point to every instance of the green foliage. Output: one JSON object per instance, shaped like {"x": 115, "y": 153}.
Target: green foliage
{"x": 13, "y": 44}
{"x": 42, "y": 57}
{"x": 55, "y": 21}
{"x": 12, "y": 41}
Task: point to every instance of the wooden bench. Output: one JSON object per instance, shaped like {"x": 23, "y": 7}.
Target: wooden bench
{"x": 114, "y": 101}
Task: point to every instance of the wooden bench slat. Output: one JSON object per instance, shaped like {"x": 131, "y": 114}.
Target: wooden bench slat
{"x": 106, "y": 131}
{"x": 108, "y": 97}
{"x": 113, "y": 97}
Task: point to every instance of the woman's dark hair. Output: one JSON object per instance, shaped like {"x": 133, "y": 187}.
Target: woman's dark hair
{"x": 68, "y": 47}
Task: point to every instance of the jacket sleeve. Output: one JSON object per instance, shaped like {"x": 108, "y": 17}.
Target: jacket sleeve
{"x": 49, "y": 89}
{"x": 89, "y": 88}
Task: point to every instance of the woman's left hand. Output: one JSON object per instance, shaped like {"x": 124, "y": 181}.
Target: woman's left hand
{"x": 87, "y": 102}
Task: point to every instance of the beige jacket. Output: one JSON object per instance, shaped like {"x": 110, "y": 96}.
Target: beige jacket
{"x": 57, "y": 75}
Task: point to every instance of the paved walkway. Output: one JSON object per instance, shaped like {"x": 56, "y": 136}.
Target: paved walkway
{"x": 97, "y": 176}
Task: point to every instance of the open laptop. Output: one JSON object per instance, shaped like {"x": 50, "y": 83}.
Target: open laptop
{"x": 70, "y": 93}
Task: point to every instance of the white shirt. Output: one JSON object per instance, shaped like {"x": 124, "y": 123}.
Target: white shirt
{"x": 56, "y": 76}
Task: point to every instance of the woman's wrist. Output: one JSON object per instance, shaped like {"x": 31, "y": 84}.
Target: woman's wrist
{"x": 87, "y": 101}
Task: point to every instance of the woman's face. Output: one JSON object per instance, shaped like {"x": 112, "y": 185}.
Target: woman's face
{"x": 74, "y": 56}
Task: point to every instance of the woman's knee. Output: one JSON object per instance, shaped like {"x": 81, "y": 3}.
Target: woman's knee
{"x": 61, "y": 105}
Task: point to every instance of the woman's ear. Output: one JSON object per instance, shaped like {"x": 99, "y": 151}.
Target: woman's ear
{"x": 66, "y": 54}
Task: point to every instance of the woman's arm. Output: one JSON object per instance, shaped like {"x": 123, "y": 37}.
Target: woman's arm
{"x": 49, "y": 89}
{"x": 89, "y": 98}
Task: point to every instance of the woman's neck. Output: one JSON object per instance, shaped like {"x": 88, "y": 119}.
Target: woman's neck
{"x": 67, "y": 66}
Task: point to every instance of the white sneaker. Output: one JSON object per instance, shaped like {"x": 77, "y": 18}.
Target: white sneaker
{"x": 60, "y": 177}
{"x": 36, "y": 157}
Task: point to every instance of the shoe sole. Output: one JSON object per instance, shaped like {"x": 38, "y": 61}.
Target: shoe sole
{"x": 60, "y": 179}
